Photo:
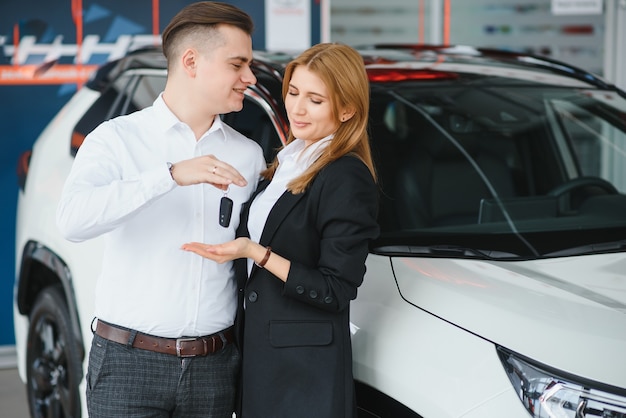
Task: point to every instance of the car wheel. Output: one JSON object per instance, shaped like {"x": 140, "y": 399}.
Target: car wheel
{"x": 52, "y": 359}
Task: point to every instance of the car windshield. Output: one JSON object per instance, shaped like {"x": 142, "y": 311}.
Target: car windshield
{"x": 497, "y": 169}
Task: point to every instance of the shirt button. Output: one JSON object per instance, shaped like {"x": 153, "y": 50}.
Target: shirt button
{"x": 253, "y": 296}
{"x": 328, "y": 299}
{"x": 312, "y": 294}
{"x": 299, "y": 290}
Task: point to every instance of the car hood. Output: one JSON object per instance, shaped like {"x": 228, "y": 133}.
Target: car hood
{"x": 568, "y": 313}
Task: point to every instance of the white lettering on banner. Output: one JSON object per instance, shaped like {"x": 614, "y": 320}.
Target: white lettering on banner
{"x": 28, "y": 50}
{"x": 576, "y": 7}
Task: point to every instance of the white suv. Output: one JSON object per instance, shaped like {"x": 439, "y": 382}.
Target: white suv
{"x": 497, "y": 287}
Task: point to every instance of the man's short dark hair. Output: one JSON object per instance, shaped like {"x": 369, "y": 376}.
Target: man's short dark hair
{"x": 204, "y": 15}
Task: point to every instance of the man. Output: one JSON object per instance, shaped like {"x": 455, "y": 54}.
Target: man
{"x": 149, "y": 182}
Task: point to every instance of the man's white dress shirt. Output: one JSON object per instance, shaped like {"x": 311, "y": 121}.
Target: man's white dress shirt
{"x": 120, "y": 187}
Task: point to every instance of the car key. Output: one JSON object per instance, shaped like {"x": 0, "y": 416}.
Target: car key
{"x": 226, "y": 210}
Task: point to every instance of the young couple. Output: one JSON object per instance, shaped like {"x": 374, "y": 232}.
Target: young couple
{"x": 165, "y": 342}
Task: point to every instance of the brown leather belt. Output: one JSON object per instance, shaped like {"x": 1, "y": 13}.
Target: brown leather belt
{"x": 181, "y": 347}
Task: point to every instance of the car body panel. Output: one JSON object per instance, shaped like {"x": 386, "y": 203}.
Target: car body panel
{"x": 555, "y": 311}
{"x": 415, "y": 357}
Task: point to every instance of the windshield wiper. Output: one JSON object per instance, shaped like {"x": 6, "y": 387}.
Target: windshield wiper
{"x": 448, "y": 251}
{"x": 597, "y": 248}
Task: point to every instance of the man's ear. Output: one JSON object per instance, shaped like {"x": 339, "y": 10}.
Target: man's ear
{"x": 189, "y": 60}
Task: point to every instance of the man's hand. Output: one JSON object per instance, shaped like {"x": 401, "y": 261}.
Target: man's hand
{"x": 206, "y": 169}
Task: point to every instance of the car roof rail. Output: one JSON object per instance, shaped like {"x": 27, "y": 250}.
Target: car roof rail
{"x": 144, "y": 57}
{"x": 505, "y": 56}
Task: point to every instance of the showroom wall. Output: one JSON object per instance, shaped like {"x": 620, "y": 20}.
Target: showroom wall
{"x": 575, "y": 36}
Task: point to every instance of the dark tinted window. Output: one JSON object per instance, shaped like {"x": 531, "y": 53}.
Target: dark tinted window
{"x": 262, "y": 118}
{"x": 254, "y": 122}
{"x": 522, "y": 170}
{"x": 129, "y": 93}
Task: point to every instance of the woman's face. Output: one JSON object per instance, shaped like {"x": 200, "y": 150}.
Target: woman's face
{"x": 308, "y": 106}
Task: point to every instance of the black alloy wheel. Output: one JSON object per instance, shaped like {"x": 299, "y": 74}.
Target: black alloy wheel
{"x": 53, "y": 363}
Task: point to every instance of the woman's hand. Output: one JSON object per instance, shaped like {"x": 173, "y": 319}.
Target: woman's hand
{"x": 221, "y": 253}
{"x": 242, "y": 248}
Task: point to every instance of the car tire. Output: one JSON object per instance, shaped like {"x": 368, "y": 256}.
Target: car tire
{"x": 53, "y": 362}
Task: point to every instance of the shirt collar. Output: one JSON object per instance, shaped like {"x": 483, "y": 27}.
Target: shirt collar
{"x": 297, "y": 151}
{"x": 167, "y": 119}
{"x": 217, "y": 125}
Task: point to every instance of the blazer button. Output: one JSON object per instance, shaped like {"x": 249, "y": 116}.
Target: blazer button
{"x": 328, "y": 299}
{"x": 312, "y": 294}
{"x": 252, "y": 296}
{"x": 299, "y": 290}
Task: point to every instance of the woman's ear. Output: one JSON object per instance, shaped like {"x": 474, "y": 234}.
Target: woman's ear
{"x": 346, "y": 114}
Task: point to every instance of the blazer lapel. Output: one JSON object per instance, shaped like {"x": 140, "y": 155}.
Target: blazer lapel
{"x": 281, "y": 209}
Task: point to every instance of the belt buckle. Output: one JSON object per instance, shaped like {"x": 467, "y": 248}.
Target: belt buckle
{"x": 179, "y": 348}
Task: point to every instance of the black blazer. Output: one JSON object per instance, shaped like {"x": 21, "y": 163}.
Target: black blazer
{"x": 297, "y": 354}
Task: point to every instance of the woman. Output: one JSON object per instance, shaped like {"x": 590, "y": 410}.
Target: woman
{"x": 303, "y": 242}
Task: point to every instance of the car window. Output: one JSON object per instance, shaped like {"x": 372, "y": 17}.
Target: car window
{"x": 137, "y": 89}
{"x": 598, "y": 145}
{"x": 260, "y": 122}
{"x": 255, "y": 123}
{"x": 130, "y": 92}
{"x": 499, "y": 167}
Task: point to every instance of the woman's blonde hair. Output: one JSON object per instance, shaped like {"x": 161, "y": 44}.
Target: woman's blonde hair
{"x": 341, "y": 69}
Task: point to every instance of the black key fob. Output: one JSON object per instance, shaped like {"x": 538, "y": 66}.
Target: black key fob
{"x": 226, "y": 210}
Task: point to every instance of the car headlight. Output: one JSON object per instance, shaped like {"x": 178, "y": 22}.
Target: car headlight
{"x": 548, "y": 393}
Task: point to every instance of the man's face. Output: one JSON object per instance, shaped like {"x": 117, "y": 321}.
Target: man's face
{"x": 224, "y": 72}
